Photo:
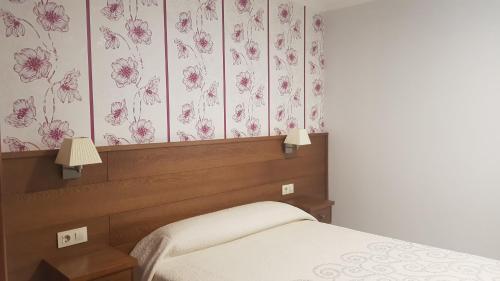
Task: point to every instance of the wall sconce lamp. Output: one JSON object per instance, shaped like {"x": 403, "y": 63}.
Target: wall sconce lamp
{"x": 296, "y": 138}
{"x": 75, "y": 153}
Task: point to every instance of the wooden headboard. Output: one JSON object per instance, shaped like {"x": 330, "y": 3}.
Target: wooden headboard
{"x": 140, "y": 188}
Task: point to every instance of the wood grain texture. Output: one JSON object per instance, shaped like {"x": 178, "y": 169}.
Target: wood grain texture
{"x": 105, "y": 264}
{"x": 3, "y": 259}
{"x": 25, "y": 250}
{"x": 140, "y": 188}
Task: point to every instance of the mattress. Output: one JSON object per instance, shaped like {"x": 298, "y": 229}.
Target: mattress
{"x": 298, "y": 248}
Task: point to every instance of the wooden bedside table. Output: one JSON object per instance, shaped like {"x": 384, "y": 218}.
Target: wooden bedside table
{"x": 104, "y": 265}
{"x": 319, "y": 208}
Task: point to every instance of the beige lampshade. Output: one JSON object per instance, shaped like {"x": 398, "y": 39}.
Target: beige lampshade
{"x": 298, "y": 137}
{"x": 78, "y": 152}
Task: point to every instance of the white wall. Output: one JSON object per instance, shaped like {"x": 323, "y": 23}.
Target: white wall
{"x": 414, "y": 113}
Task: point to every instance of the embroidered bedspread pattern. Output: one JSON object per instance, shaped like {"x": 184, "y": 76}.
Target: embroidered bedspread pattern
{"x": 289, "y": 253}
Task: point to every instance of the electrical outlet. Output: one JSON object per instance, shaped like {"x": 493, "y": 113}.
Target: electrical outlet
{"x": 72, "y": 237}
{"x": 287, "y": 189}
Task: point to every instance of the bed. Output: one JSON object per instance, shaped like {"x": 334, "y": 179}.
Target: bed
{"x": 271, "y": 241}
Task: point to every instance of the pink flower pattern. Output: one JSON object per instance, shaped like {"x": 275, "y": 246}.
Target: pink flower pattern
{"x": 23, "y": 113}
{"x": 258, "y": 97}
{"x": 113, "y": 140}
{"x": 203, "y": 42}
{"x": 284, "y": 85}
{"x": 278, "y": 63}
{"x": 236, "y": 56}
{"x": 258, "y": 20}
{"x": 51, "y": 16}
{"x": 206, "y": 129}
{"x": 13, "y": 25}
{"x": 287, "y": 82}
{"x": 248, "y": 94}
{"x": 280, "y": 113}
{"x": 211, "y": 94}
{"x": 67, "y": 89}
{"x": 239, "y": 33}
{"x": 285, "y": 13}
{"x": 113, "y": 10}
{"x": 243, "y": 6}
{"x": 32, "y": 64}
{"x": 253, "y": 51}
{"x": 199, "y": 91}
{"x": 318, "y": 23}
{"x": 291, "y": 123}
{"x": 142, "y": 131}
{"x": 119, "y": 113}
{"x": 296, "y": 30}
{"x": 185, "y": 137}
{"x": 184, "y": 25}
{"x": 239, "y": 113}
{"x": 316, "y": 91}
{"x": 53, "y": 133}
{"x": 209, "y": 10}
{"x": 318, "y": 87}
{"x": 253, "y": 127}
{"x": 111, "y": 39}
{"x": 124, "y": 72}
{"x": 128, "y": 72}
{"x": 296, "y": 98}
{"x": 244, "y": 81}
{"x": 313, "y": 115}
{"x": 314, "y": 48}
{"x": 16, "y": 145}
{"x": 182, "y": 49}
{"x": 150, "y": 92}
{"x": 187, "y": 114}
{"x": 237, "y": 134}
{"x": 138, "y": 31}
{"x": 280, "y": 41}
{"x": 292, "y": 57}
{"x": 193, "y": 78}
{"x": 41, "y": 63}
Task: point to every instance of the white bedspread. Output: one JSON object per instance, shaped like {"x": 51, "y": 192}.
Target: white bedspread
{"x": 306, "y": 250}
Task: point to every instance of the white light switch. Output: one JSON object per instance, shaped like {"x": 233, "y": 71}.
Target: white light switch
{"x": 287, "y": 189}
{"x": 71, "y": 237}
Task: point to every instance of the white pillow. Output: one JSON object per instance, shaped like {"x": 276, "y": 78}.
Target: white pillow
{"x": 209, "y": 230}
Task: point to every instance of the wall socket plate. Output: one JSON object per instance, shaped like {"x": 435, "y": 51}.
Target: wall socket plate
{"x": 72, "y": 237}
{"x": 287, "y": 189}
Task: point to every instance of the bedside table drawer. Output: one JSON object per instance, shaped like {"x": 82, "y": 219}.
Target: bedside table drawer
{"x": 120, "y": 276}
{"x": 323, "y": 215}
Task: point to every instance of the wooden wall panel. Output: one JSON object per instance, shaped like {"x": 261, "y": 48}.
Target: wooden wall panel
{"x": 129, "y": 227}
{"x": 140, "y": 188}
{"x": 152, "y": 162}
{"x": 25, "y": 250}
{"x": 34, "y": 174}
{"x": 3, "y": 271}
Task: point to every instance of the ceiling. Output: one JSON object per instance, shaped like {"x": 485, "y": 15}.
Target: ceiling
{"x": 327, "y": 5}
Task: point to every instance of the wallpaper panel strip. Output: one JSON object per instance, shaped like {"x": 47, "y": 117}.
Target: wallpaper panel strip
{"x": 196, "y": 70}
{"x": 315, "y": 71}
{"x": 246, "y": 67}
{"x": 129, "y": 81}
{"x": 45, "y": 90}
{"x": 287, "y": 66}
{"x": 156, "y": 70}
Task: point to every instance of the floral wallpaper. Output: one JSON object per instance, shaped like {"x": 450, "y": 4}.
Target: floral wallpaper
{"x": 45, "y": 81}
{"x": 286, "y": 66}
{"x": 195, "y": 69}
{"x": 146, "y": 71}
{"x": 315, "y": 71}
{"x": 128, "y": 67}
{"x": 246, "y": 68}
